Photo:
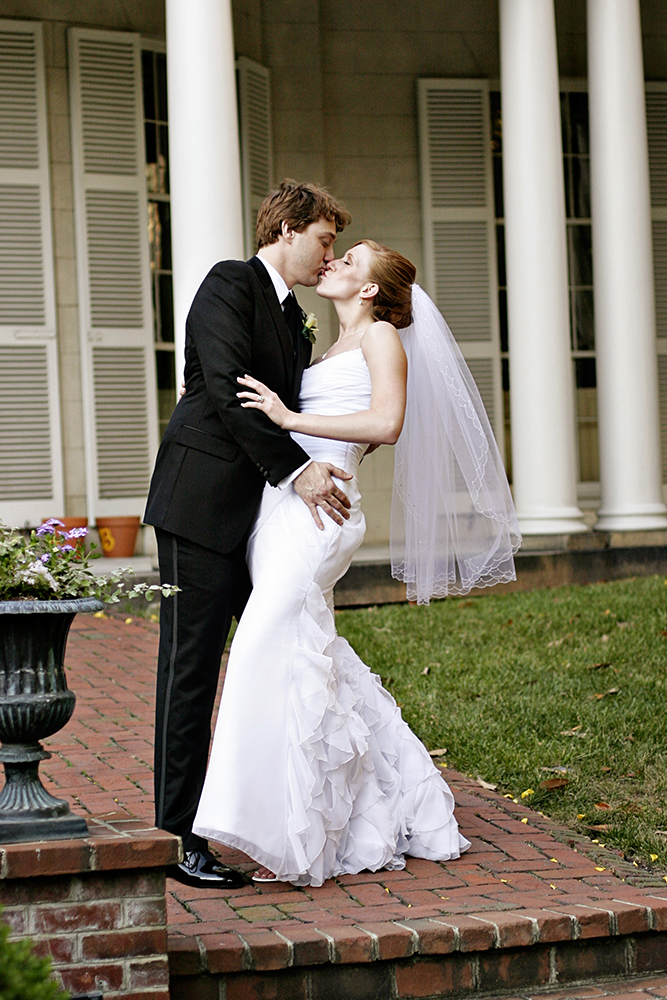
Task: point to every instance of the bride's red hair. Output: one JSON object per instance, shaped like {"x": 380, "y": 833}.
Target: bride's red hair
{"x": 394, "y": 275}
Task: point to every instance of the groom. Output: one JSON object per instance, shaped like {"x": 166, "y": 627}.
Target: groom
{"x": 211, "y": 468}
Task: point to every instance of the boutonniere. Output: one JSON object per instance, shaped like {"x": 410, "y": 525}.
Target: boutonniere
{"x": 310, "y": 328}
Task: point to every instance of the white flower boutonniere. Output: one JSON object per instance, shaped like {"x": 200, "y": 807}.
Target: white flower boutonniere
{"x": 310, "y": 327}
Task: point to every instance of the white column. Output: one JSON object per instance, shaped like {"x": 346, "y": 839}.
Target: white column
{"x": 204, "y": 159}
{"x": 627, "y": 379}
{"x": 541, "y": 377}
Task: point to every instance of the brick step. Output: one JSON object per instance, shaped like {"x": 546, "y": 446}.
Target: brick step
{"x": 490, "y": 953}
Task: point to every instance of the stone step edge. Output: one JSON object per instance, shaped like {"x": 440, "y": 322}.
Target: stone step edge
{"x": 274, "y": 949}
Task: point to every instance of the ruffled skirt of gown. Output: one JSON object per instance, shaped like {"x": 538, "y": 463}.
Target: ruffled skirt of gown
{"x": 313, "y": 772}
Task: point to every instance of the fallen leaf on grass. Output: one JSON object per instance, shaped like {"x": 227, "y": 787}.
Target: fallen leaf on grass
{"x": 486, "y": 784}
{"x": 602, "y": 805}
{"x": 551, "y": 784}
{"x": 425, "y": 671}
{"x": 558, "y": 642}
{"x": 605, "y": 769}
{"x": 438, "y": 753}
{"x": 599, "y": 666}
{"x": 599, "y": 697}
{"x": 573, "y": 732}
{"x": 528, "y": 792}
{"x": 632, "y": 807}
{"x": 599, "y": 827}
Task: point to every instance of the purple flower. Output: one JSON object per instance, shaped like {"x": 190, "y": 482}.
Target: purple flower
{"x": 48, "y": 527}
{"x": 77, "y": 533}
{"x": 66, "y": 548}
{"x": 45, "y": 558}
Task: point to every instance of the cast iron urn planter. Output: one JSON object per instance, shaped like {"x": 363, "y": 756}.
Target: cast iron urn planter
{"x": 34, "y": 703}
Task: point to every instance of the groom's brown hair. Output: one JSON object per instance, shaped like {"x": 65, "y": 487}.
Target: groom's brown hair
{"x": 298, "y": 205}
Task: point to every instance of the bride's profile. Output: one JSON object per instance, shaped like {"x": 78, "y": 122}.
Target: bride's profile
{"x": 313, "y": 773}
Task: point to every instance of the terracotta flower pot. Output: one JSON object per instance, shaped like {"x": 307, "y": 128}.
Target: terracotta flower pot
{"x": 118, "y": 535}
{"x": 68, "y": 524}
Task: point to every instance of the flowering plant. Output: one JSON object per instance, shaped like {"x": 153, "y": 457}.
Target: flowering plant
{"x": 310, "y": 327}
{"x": 52, "y": 566}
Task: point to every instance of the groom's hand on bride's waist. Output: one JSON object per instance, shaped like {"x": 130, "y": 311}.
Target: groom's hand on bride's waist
{"x": 317, "y": 489}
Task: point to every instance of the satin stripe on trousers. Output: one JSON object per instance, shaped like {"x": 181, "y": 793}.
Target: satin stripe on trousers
{"x": 194, "y": 625}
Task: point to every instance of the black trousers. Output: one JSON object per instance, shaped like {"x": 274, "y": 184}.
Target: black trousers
{"x": 194, "y": 625}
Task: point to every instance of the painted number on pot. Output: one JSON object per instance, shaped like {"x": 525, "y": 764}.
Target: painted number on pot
{"x": 107, "y": 539}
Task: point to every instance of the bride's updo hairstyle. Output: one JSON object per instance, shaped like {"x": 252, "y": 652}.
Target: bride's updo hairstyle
{"x": 394, "y": 275}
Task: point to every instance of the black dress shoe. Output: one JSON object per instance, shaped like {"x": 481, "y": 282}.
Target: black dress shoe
{"x": 203, "y": 870}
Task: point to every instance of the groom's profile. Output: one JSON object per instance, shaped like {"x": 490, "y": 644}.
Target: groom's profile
{"x": 211, "y": 468}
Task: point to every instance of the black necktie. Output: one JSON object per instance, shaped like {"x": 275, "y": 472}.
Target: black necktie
{"x": 292, "y": 314}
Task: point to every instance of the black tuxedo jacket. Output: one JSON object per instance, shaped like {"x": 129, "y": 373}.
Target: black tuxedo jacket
{"x": 215, "y": 456}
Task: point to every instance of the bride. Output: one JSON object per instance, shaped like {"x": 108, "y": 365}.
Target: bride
{"x": 313, "y": 773}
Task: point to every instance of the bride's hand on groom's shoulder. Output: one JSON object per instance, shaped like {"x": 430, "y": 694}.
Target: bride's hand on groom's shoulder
{"x": 264, "y": 399}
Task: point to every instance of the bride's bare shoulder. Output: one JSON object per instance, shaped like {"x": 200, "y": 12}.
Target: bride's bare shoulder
{"x": 379, "y": 334}
{"x": 379, "y": 331}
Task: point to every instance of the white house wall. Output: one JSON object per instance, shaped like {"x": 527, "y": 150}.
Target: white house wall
{"x": 344, "y": 110}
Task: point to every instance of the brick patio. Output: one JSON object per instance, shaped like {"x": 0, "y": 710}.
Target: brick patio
{"x": 530, "y": 904}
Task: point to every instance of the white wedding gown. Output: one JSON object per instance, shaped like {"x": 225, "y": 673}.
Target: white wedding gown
{"x": 313, "y": 772}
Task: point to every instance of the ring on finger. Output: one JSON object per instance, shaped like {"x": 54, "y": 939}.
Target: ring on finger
{"x": 261, "y": 399}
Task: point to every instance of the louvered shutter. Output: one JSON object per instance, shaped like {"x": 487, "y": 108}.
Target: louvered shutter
{"x": 254, "y": 96}
{"x": 30, "y": 445}
{"x": 459, "y": 226}
{"x": 115, "y": 311}
{"x": 656, "y": 120}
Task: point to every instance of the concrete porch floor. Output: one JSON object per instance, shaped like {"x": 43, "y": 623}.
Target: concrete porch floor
{"x": 530, "y": 905}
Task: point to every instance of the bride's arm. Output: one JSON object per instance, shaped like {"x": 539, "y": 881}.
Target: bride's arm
{"x": 381, "y": 423}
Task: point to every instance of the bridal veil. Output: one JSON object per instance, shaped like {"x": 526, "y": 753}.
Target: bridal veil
{"x": 453, "y": 523}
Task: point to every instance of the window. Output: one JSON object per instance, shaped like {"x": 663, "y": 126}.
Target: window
{"x": 154, "y": 74}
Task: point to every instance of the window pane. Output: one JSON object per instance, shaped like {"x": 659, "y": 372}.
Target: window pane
{"x": 505, "y": 369}
{"x": 166, "y": 297}
{"x": 151, "y": 157}
{"x": 155, "y": 235}
{"x": 502, "y": 310}
{"x": 148, "y": 82}
{"x": 498, "y": 187}
{"x": 165, "y": 364}
{"x": 578, "y": 107}
{"x": 584, "y": 369}
{"x": 580, "y": 254}
{"x": 161, "y": 68}
{"x": 565, "y": 123}
{"x": 587, "y": 421}
{"x": 165, "y": 227}
{"x": 163, "y": 160}
{"x": 500, "y": 244}
{"x": 496, "y": 123}
{"x": 581, "y": 188}
{"x": 583, "y": 328}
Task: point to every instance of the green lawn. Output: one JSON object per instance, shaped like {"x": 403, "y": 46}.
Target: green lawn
{"x": 565, "y": 685}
